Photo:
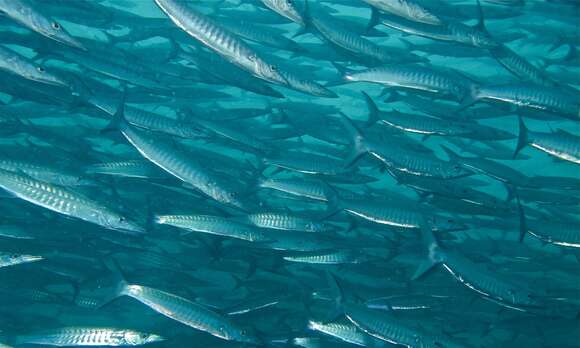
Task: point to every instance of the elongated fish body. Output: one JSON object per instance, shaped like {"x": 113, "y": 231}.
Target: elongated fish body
{"x": 88, "y": 336}
{"x": 504, "y": 291}
{"x": 421, "y": 165}
{"x": 493, "y": 169}
{"x": 560, "y": 144}
{"x": 424, "y": 125}
{"x": 286, "y": 222}
{"x": 233, "y": 134}
{"x": 285, "y": 8}
{"x": 328, "y": 257}
{"x": 344, "y": 331}
{"x": 520, "y": 67}
{"x": 312, "y": 189}
{"x": 216, "y": 67}
{"x": 26, "y": 14}
{"x": 64, "y": 201}
{"x": 407, "y": 9}
{"x": 52, "y": 175}
{"x": 532, "y": 96}
{"x": 11, "y": 259}
{"x": 14, "y": 63}
{"x": 369, "y": 53}
{"x": 393, "y": 330}
{"x": 130, "y": 169}
{"x": 448, "y": 31}
{"x": 214, "y": 36}
{"x": 213, "y": 225}
{"x": 487, "y": 283}
{"x": 413, "y": 77}
{"x": 260, "y": 34}
{"x": 155, "y": 122}
{"x": 396, "y": 216}
{"x": 553, "y": 232}
{"x": 114, "y": 64}
{"x": 306, "y": 86}
{"x": 188, "y": 313}
{"x": 307, "y": 163}
{"x": 183, "y": 167}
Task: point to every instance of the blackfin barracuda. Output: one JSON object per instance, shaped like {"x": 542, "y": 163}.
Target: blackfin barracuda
{"x": 560, "y": 144}
{"x": 23, "y": 12}
{"x": 11, "y": 259}
{"x": 65, "y": 201}
{"x": 88, "y": 336}
{"x": 192, "y": 314}
{"x": 476, "y": 36}
{"x": 446, "y": 84}
{"x": 14, "y": 63}
{"x": 504, "y": 291}
{"x": 235, "y": 50}
{"x": 181, "y": 166}
{"x": 558, "y": 102}
{"x": 407, "y": 9}
{"x": 285, "y": 8}
{"x": 400, "y": 159}
{"x": 386, "y": 326}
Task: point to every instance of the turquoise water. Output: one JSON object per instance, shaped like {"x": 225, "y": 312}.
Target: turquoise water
{"x": 232, "y": 174}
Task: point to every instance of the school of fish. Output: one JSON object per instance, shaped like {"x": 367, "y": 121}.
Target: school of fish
{"x": 290, "y": 173}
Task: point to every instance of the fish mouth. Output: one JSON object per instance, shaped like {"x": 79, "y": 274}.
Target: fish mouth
{"x": 31, "y": 258}
{"x": 69, "y": 41}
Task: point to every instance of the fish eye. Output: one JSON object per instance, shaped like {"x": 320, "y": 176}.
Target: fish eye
{"x": 252, "y": 57}
{"x": 55, "y": 25}
{"x": 243, "y": 332}
{"x": 143, "y": 335}
{"x": 40, "y": 69}
{"x": 122, "y": 219}
{"x": 273, "y": 68}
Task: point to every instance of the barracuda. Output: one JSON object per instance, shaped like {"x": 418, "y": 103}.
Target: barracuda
{"x": 65, "y": 201}
{"x": 88, "y": 336}
{"x": 11, "y": 259}
{"x": 14, "y": 63}
{"x": 560, "y": 144}
{"x": 26, "y": 14}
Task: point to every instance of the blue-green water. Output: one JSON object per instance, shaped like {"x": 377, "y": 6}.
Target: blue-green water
{"x": 289, "y": 173}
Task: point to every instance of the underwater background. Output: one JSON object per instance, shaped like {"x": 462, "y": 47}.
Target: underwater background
{"x": 289, "y": 173}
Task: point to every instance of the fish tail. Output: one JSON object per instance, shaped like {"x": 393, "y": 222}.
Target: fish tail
{"x": 522, "y": 136}
{"x": 373, "y": 110}
{"x": 374, "y": 20}
{"x": 470, "y": 98}
{"x": 118, "y": 279}
{"x": 434, "y": 255}
{"x": 337, "y": 293}
{"x": 522, "y": 217}
{"x": 357, "y": 139}
{"x": 118, "y": 121}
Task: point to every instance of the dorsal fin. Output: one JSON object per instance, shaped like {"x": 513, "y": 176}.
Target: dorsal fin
{"x": 480, "y": 19}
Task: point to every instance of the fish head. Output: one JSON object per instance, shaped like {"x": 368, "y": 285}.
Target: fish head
{"x": 290, "y": 10}
{"x": 54, "y": 30}
{"x": 266, "y": 71}
{"x": 456, "y": 170}
{"x": 15, "y": 259}
{"x": 41, "y": 75}
{"x": 122, "y": 223}
{"x": 520, "y": 296}
{"x": 133, "y": 338}
{"x": 246, "y": 335}
{"x": 446, "y": 223}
